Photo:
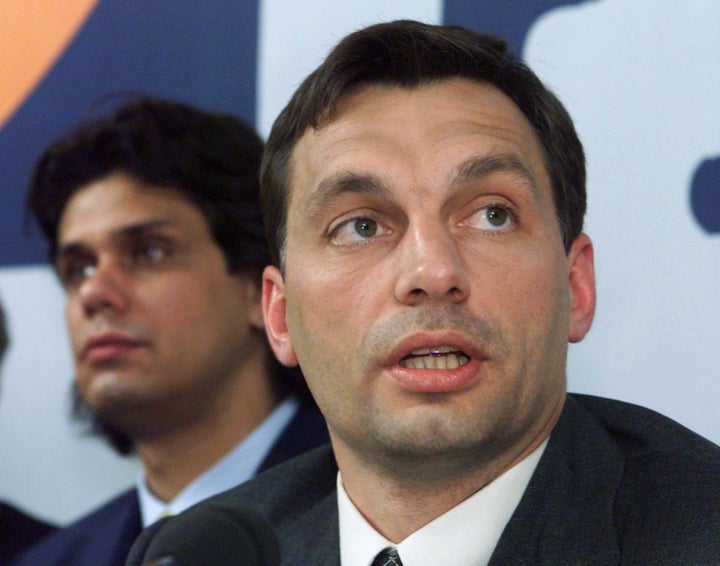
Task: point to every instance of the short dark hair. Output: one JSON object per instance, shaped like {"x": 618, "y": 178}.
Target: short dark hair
{"x": 408, "y": 54}
{"x": 212, "y": 159}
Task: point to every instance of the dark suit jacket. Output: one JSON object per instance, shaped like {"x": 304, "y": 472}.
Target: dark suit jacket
{"x": 617, "y": 484}
{"x": 18, "y": 531}
{"x": 104, "y": 537}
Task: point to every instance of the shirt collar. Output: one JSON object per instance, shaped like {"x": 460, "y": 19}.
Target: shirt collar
{"x": 470, "y": 530}
{"x": 237, "y": 466}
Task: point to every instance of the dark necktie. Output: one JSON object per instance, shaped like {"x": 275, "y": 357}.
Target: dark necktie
{"x": 387, "y": 557}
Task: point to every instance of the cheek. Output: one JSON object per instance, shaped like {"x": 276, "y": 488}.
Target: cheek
{"x": 331, "y": 298}
{"x": 529, "y": 299}
{"x": 544, "y": 321}
{"x": 188, "y": 313}
{"x": 191, "y": 299}
{"x": 75, "y": 321}
{"x": 314, "y": 325}
{"x": 327, "y": 316}
{"x": 536, "y": 284}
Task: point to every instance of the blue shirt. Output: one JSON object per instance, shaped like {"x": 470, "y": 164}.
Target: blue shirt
{"x": 239, "y": 465}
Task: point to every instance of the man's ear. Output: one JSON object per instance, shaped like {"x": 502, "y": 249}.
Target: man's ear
{"x": 581, "y": 280}
{"x": 274, "y": 310}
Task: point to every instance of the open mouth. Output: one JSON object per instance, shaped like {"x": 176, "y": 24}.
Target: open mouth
{"x": 438, "y": 357}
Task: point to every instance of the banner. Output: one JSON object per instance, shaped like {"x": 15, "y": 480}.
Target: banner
{"x": 641, "y": 80}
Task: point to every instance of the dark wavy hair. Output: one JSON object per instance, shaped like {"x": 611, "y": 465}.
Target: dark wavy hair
{"x": 212, "y": 159}
{"x": 408, "y": 54}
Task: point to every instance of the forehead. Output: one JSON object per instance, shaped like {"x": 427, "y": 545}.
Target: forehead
{"x": 117, "y": 200}
{"x": 421, "y": 133}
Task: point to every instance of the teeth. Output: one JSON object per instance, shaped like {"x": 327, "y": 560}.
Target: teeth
{"x": 431, "y": 359}
{"x": 436, "y": 350}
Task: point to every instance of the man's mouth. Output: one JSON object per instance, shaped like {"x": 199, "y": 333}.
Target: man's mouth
{"x": 437, "y": 357}
{"x": 108, "y": 345}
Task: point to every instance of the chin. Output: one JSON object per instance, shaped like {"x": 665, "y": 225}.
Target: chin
{"x": 109, "y": 390}
{"x": 431, "y": 435}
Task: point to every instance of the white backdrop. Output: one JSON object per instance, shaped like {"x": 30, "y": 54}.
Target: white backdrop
{"x": 641, "y": 80}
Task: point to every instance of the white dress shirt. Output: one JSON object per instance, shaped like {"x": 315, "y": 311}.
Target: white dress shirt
{"x": 466, "y": 535}
{"x": 239, "y": 465}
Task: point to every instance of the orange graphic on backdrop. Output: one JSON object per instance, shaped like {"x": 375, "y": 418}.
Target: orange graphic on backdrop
{"x": 33, "y": 34}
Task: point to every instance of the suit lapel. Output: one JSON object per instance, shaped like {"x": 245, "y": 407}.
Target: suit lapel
{"x": 315, "y": 539}
{"x": 566, "y": 513}
{"x": 306, "y": 430}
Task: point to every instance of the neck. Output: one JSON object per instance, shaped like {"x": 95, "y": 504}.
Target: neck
{"x": 399, "y": 499}
{"x": 174, "y": 456}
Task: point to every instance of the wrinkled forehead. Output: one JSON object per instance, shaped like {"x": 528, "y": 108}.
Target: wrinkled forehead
{"x": 371, "y": 127}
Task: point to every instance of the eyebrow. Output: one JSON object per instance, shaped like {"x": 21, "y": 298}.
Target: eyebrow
{"x": 478, "y": 167}
{"x": 344, "y": 183}
{"x": 472, "y": 169}
{"x": 123, "y": 233}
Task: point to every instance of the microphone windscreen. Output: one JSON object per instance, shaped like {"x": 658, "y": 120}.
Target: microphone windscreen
{"x": 217, "y": 535}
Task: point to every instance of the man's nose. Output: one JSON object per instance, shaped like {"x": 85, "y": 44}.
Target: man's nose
{"x": 431, "y": 266}
{"x": 104, "y": 289}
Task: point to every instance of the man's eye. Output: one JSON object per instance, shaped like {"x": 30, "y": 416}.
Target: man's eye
{"x": 152, "y": 253}
{"x": 73, "y": 274}
{"x": 356, "y": 230}
{"x": 365, "y": 227}
{"x": 491, "y": 218}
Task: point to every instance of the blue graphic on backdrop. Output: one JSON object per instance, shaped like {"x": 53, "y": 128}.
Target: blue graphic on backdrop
{"x": 513, "y": 20}
{"x": 197, "y": 52}
{"x": 510, "y": 20}
{"x": 705, "y": 195}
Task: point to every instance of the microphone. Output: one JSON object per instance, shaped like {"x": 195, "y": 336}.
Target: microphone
{"x": 213, "y": 534}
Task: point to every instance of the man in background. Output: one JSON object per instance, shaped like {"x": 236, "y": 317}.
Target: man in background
{"x": 425, "y": 194}
{"x": 17, "y": 530}
{"x": 155, "y": 232}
